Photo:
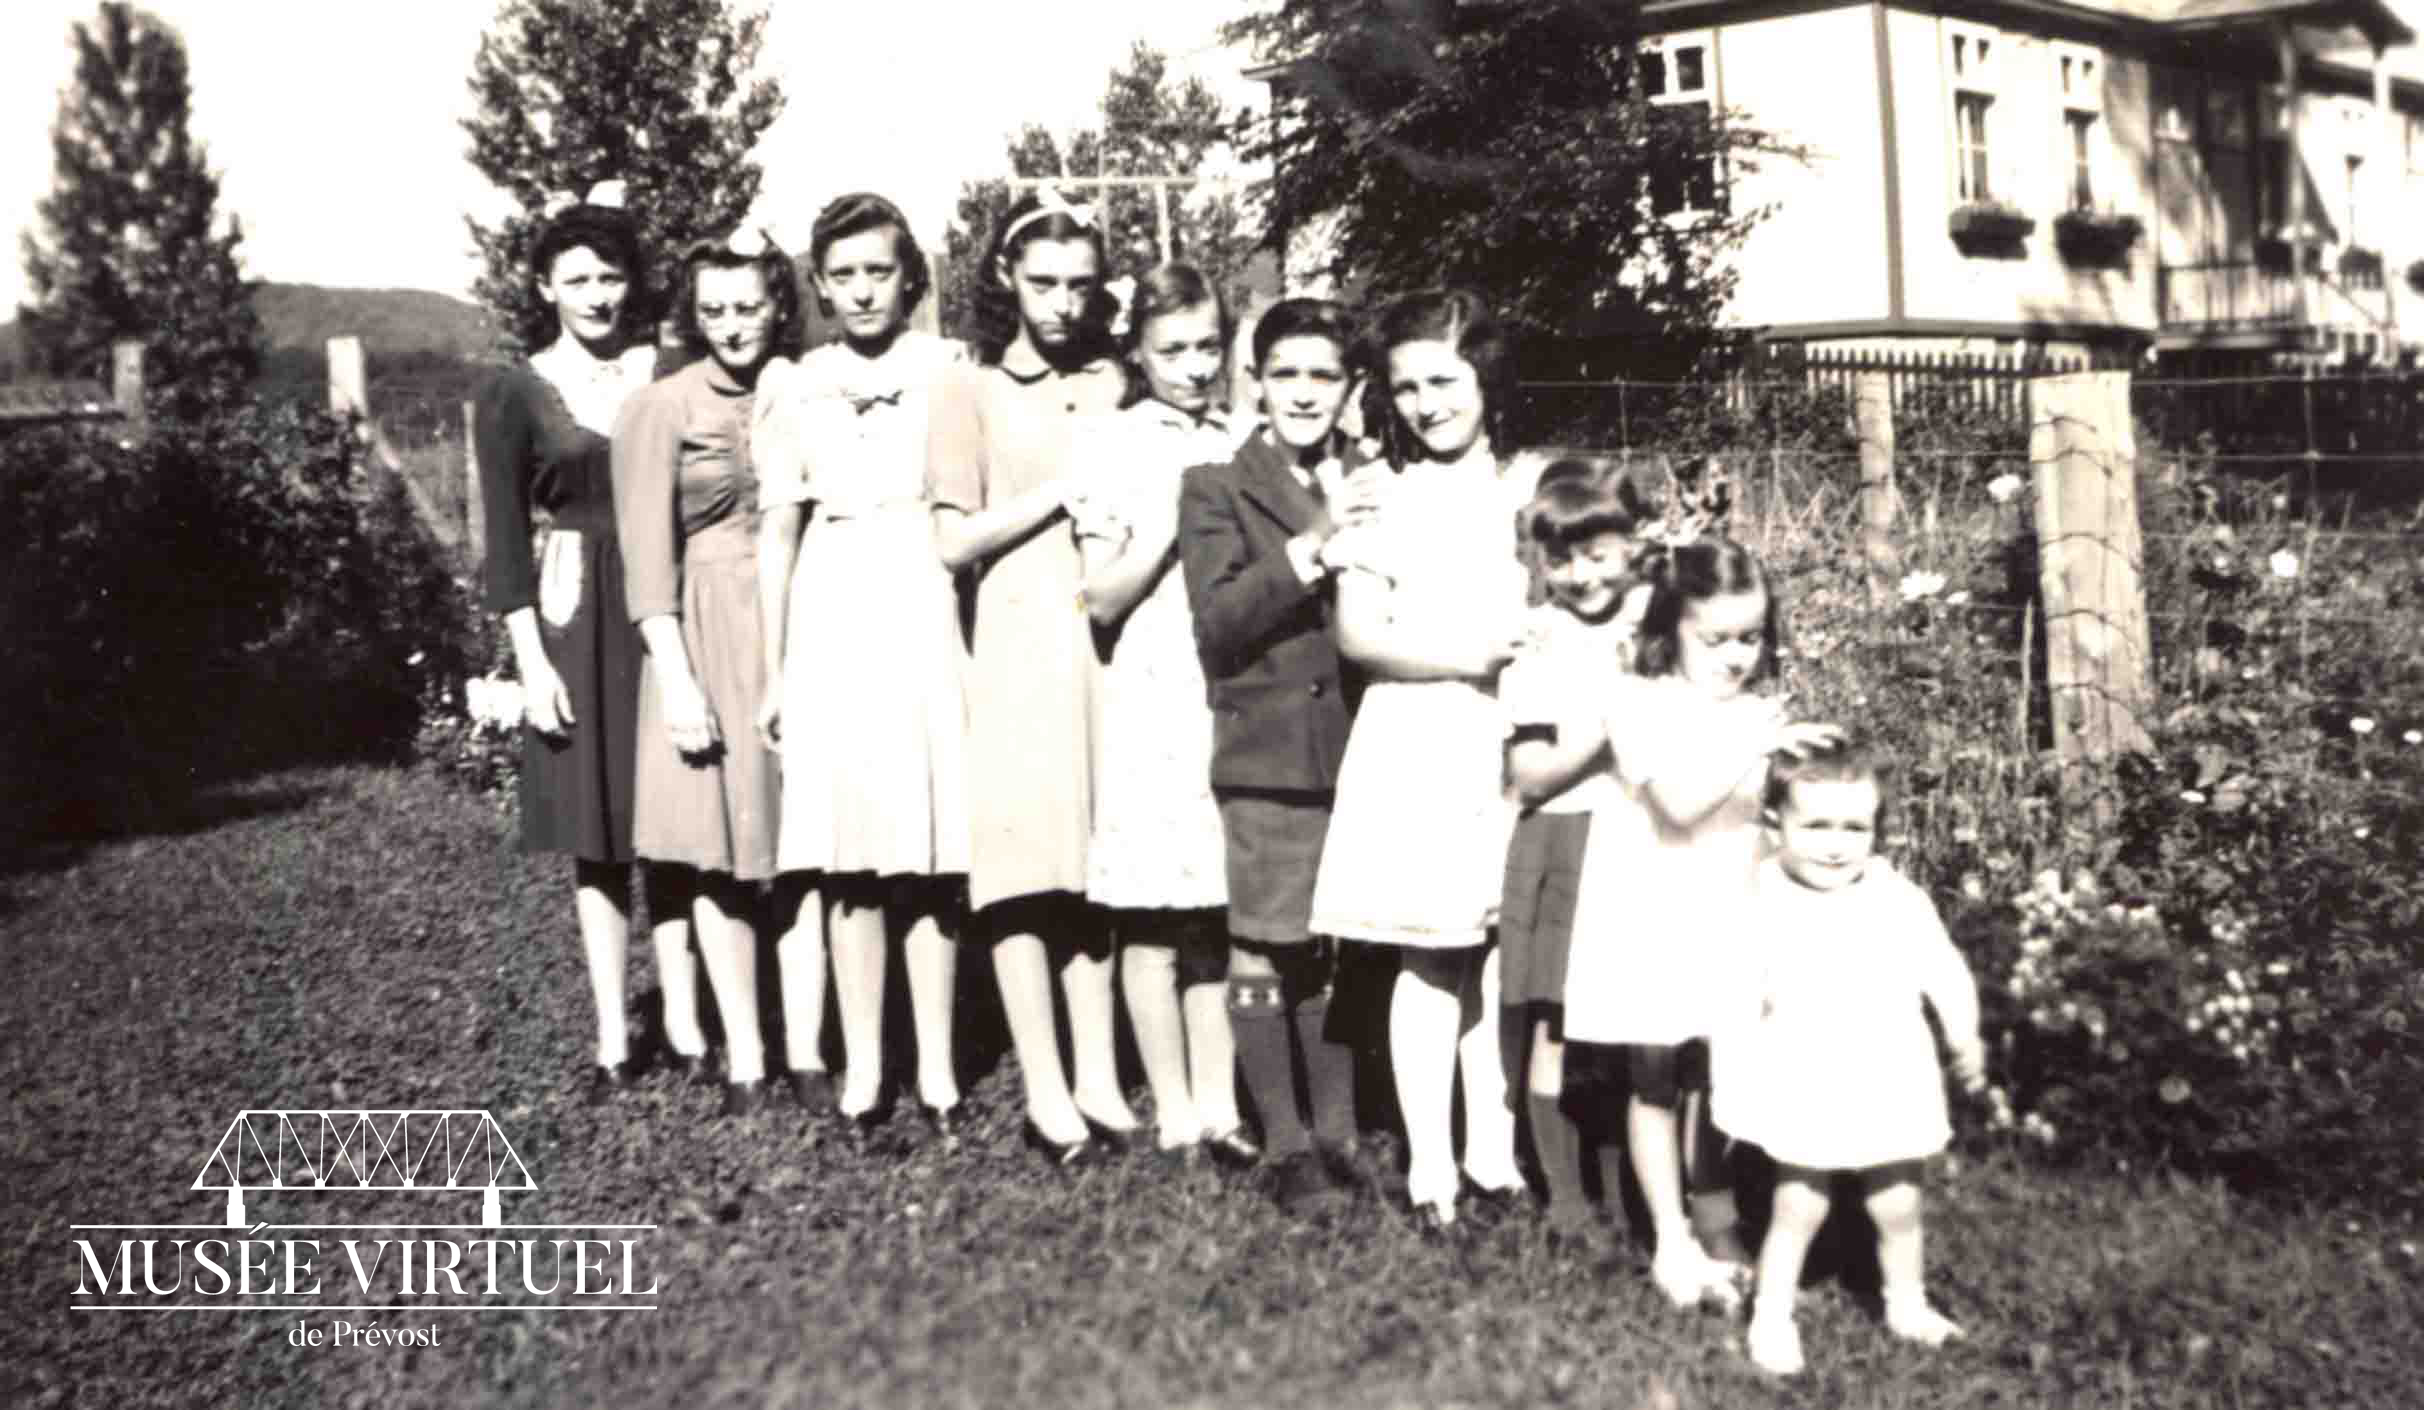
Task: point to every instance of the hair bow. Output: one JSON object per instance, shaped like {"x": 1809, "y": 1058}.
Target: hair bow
{"x": 605, "y": 195}
{"x": 1050, "y": 202}
{"x": 749, "y": 242}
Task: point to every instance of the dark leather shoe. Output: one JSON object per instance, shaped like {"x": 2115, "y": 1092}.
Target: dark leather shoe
{"x": 1233, "y": 1148}
{"x": 743, "y": 1098}
{"x": 607, "y": 1081}
{"x": 943, "y": 1125}
{"x": 811, "y": 1091}
{"x": 1492, "y": 1207}
{"x": 861, "y": 1128}
{"x": 689, "y": 1068}
{"x": 1302, "y": 1184}
{"x": 1120, "y": 1140}
{"x": 1069, "y": 1155}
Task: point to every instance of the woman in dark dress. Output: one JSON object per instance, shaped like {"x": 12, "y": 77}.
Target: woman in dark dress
{"x": 540, "y": 440}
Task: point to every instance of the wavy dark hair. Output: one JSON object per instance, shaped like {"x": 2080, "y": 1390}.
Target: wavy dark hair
{"x": 782, "y": 287}
{"x": 856, "y": 214}
{"x": 1695, "y": 572}
{"x": 1167, "y": 289}
{"x": 1459, "y": 318}
{"x": 1847, "y": 760}
{"x": 1305, "y": 318}
{"x": 997, "y": 302}
{"x": 610, "y": 234}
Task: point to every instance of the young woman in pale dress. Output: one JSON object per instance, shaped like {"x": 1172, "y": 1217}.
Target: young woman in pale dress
{"x": 704, "y": 790}
{"x": 874, "y": 834}
{"x": 539, "y": 436}
{"x": 997, "y": 465}
{"x": 1156, "y": 859}
{"x": 1431, "y": 606}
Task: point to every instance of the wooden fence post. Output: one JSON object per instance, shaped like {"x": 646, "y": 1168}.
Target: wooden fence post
{"x": 475, "y": 510}
{"x": 126, "y": 380}
{"x": 348, "y": 378}
{"x": 1873, "y": 422}
{"x": 2083, "y": 457}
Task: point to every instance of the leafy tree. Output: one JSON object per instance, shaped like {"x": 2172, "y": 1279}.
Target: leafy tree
{"x": 659, "y": 94}
{"x": 1151, "y": 126}
{"x": 127, "y": 244}
{"x": 1517, "y": 149}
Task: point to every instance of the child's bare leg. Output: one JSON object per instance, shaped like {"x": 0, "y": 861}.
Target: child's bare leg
{"x": 1682, "y": 1271}
{"x": 1489, "y": 1155}
{"x": 601, "y": 892}
{"x": 854, "y": 930}
{"x": 933, "y": 964}
{"x": 1893, "y": 1205}
{"x": 1799, "y": 1210}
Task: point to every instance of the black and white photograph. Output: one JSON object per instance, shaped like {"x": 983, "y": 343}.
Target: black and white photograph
{"x": 1212, "y": 704}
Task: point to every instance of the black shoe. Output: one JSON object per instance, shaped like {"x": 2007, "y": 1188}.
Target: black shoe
{"x": 1351, "y": 1165}
{"x": 1119, "y": 1140}
{"x": 811, "y": 1091}
{"x": 1059, "y": 1155}
{"x": 607, "y": 1081}
{"x": 743, "y": 1098}
{"x": 1233, "y": 1148}
{"x": 860, "y": 1128}
{"x": 1493, "y": 1207}
{"x": 689, "y": 1068}
{"x": 943, "y": 1124}
{"x": 1303, "y": 1185}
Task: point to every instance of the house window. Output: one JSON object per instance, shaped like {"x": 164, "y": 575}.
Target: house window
{"x": 2079, "y": 92}
{"x": 1678, "y": 75}
{"x": 2082, "y": 160}
{"x": 1972, "y": 60}
{"x": 1972, "y": 163}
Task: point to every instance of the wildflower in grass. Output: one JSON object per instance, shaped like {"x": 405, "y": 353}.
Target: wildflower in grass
{"x": 2173, "y": 1089}
{"x": 2361, "y": 725}
{"x": 493, "y": 701}
{"x": 1916, "y": 586}
{"x": 2004, "y": 486}
{"x": 1957, "y": 599}
{"x": 2284, "y": 564}
{"x": 2413, "y": 736}
{"x": 2190, "y": 795}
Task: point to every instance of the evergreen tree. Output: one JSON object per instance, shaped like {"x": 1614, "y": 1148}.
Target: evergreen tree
{"x": 659, "y": 94}
{"x": 1532, "y": 150}
{"x": 1151, "y": 126}
{"x": 126, "y": 245}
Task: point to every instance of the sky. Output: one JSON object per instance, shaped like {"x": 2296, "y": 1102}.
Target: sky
{"x": 334, "y": 124}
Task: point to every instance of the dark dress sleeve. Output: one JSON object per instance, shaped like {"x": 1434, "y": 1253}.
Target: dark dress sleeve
{"x": 504, "y": 441}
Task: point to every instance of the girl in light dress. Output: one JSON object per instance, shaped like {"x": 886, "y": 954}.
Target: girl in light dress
{"x": 1431, "y": 606}
{"x": 997, "y": 462}
{"x": 874, "y": 832}
{"x": 1155, "y": 861}
{"x": 1659, "y": 928}
{"x": 540, "y": 436}
{"x": 705, "y": 793}
{"x": 1579, "y": 531}
{"x": 1829, "y": 1064}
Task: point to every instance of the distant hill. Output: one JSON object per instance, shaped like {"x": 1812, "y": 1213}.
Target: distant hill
{"x": 396, "y": 326}
{"x": 390, "y": 321}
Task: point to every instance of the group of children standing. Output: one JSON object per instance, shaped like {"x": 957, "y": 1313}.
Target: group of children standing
{"x": 1231, "y": 705}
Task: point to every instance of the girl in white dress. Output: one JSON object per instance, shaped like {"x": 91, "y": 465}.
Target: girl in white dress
{"x": 1156, "y": 860}
{"x": 1829, "y": 1065}
{"x": 1657, "y": 946}
{"x": 864, "y": 660}
{"x": 1431, "y": 606}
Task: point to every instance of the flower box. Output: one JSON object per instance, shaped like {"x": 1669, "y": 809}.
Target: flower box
{"x": 2361, "y": 267}
{"x": 2096, "y": 237}
{"x": 1989, "y": 224}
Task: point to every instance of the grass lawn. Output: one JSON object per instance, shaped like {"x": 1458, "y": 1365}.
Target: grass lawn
{"x": 365, "y": 938}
